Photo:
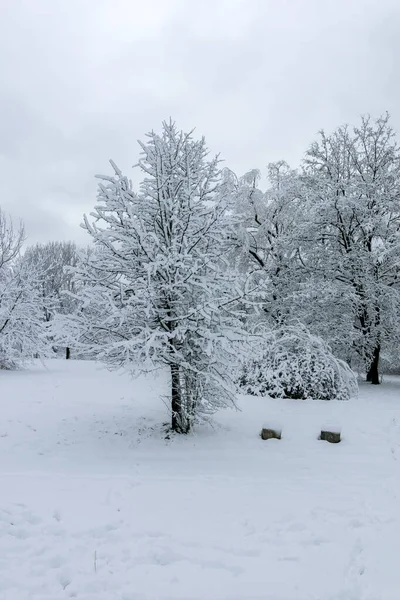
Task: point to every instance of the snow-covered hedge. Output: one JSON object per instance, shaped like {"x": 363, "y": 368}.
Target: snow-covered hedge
{"x": 293, "y": 363}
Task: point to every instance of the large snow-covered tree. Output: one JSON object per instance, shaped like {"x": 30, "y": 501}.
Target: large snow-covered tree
{"x": 158, "y": 290}
{"x": 352, "y": 178}
{"x": 22, "y": 332}
{"x": 326, "y": 240}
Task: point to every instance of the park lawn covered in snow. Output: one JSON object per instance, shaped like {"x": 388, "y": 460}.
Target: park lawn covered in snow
{"x": 97, "y": 505}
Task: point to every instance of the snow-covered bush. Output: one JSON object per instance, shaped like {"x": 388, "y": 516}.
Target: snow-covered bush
{"x": 292, "y": 363}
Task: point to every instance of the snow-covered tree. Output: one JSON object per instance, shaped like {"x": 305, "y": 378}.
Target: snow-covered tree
{"x": 158, "y": 290}
{"x": 53, "y": 262}
{"x": 265, "y": 240}
{"x": 352, "y": 179}
{"x": 22, "y": 333}
{"x": 327, "y": 242}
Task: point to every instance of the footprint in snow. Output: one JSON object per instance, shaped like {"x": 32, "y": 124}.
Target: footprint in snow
{"x": 30, "y": 518}
{"x": 56, "y": 562}
{"x": 57, "y": 515}
{"x": 21, "y": 534}
{"x": 64, "y": 581}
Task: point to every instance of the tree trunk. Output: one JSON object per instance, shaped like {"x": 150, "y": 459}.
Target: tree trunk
{"x": 373, "y": 371}
{"x": 67, "y": 353}
{"x": 179, "y": 422}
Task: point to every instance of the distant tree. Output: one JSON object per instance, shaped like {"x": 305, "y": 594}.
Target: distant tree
{"x": 22, "y": 334}
{"x": 53, "y": 262}
{"x": 158, "y": 290}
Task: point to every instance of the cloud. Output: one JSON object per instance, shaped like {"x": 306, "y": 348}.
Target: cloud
{"x": 83, "y": 80}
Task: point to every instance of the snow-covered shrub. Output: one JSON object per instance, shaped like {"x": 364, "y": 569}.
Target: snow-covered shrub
{"x": 292, "y": 363}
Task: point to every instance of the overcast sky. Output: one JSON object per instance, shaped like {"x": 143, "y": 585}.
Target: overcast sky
{"x": 82, "y": 80}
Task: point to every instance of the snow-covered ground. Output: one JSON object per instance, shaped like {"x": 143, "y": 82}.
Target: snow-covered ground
{"x": 96, "y": 505}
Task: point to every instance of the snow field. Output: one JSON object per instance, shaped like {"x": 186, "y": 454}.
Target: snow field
{"x": 95, "y": 504}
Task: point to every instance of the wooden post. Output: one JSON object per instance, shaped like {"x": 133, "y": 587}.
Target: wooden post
{"x": 333, "y": 437}
{"x": 270, "y": 434}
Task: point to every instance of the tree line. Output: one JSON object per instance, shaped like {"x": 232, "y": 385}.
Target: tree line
{"x": 204, "y": 273}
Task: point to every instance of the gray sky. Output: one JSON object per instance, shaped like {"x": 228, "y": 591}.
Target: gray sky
{"x": 82, "y": 80}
